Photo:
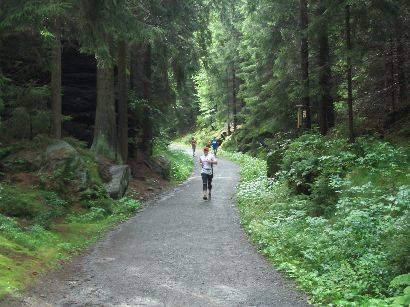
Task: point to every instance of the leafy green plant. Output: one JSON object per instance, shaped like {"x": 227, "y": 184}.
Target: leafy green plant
{"x": 125, "y": 206}
{"x": 181, "y": 163}
{"x": 38, "y": 206}
{"x": 93, "y": 215}
{"x": 30, "y": 238}
{"x": 404, "y": 298}
{"x": 347, "y": 238}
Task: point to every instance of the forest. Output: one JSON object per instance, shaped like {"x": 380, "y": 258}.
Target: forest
{"x": 309, "y": 97}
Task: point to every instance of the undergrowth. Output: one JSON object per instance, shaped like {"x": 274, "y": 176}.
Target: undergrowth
{"x": 47, "y": 220}
{"x": 27, "y": 250}
{"x": 335, "y": 216}
{"x": 181, "y": 162}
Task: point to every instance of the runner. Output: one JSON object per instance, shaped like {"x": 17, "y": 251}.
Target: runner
{"x": 193, "y": 143}
{"x": 207, "y": 162}
{"x": 215, "y": 144}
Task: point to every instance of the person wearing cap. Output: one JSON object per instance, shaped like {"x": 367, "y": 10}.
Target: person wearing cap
{"x": 207, "y": 161}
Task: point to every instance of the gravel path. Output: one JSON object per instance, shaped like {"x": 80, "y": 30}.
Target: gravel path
{"x": 178, "y": 251}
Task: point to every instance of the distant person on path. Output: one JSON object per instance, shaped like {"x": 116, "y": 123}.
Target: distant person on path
{"x": 207, "y": 161}
{"x": 215, "y": 144}
{"x": 209, "y": 144}
{"x": 193, "y": 143}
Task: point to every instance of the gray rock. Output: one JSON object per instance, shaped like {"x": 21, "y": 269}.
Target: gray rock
{"x": 160, "y": 165}
{"x": 120, "y": 177}
{"x": 62, "y": 156}
{"x": 23, "y": 161}
{"x": 59, "y": 154}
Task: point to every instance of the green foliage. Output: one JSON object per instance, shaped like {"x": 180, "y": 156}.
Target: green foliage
{"x": 251, "y": 168}
{"x": 101, "y": 203}
{"x": 202, "y": 137}
{"x": 30, "y": 238}
{"x": 181, "y": 163}
{"x": 94, "y": 214}
{"x": 30, "y": 115}
{"x": 404, "y": 298}
{"x": 29, "y": 249}
{"x": 101, "y": 209}
{"x": 345, "y": 237}
{"x": 161, "y": 142}
{"x": 125, "y": 207}
{"x": 37, "y": 206}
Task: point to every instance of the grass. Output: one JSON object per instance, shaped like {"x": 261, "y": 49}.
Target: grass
{"x": 27, "y": 251}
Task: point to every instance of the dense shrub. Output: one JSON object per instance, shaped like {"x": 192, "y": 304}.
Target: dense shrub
{"x": 345, "y": 235}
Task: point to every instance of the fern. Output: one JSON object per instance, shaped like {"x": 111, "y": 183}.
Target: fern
{"x": 404, "y": 298}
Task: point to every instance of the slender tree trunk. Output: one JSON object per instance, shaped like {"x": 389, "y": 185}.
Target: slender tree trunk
{"x": 228, "y": 102}
{"x": 304, "y": 56}
{"x": 326, "y": 110}
{"x": 56, "y": 80}
{"x": 147, "y": 145}
{"x": 134, "y": 124}
{"x": 122, "y": 101}
{"x": 105, "y": 128}
{"x": 234, "y": 97}
{"x": 401, "y": 64}
{"x": 392, "y": 77}
{"x": 349, "y": 74}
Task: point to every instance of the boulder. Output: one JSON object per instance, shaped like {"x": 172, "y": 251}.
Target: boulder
{"x": 120, "y": 175}
{"x": 65, "y": 159}
{"x": 59, "y": 154}
{"x": 24, "y": 161}
{"x": 160, "y": 165}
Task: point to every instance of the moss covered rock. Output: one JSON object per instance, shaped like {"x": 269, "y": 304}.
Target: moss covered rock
{"x": 61, "y": 160}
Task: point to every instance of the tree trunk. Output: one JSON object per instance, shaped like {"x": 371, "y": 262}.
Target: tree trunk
{"x": 56, "y": 80}
{"x": 392, "y": 82}
{"x": 105, "y": 129}
{"x": 228, "y": 102}
{"x": 147, "y": 145}
{"x": 401, "y": 64}
{"x": 349, "y": 74}
{"x": 304, "y": 56}
{"x": 326, "y": 110}
{"x": 234, "y": 97}
{"x": 122, "y": 101}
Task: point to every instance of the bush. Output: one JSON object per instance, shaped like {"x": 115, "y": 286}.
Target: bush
{"x": 125, "y": 207}
{"x": 346, "y": 236}
{"x": 102, "y": 203}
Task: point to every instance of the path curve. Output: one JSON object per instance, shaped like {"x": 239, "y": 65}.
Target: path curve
{"x": 178, "y": 251}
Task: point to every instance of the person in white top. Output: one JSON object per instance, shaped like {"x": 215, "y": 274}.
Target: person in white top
{"x": 207, "y": 161}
